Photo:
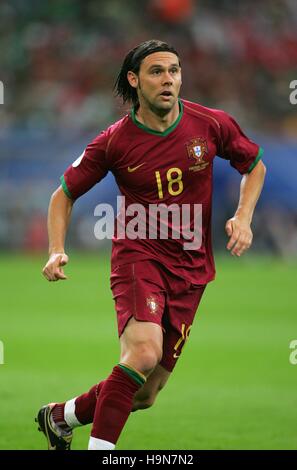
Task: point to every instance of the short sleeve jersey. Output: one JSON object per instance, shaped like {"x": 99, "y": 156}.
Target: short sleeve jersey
{"x": 174, "y": 167}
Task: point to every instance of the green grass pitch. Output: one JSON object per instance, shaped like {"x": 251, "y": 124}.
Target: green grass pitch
{"x": 233, "y": 388}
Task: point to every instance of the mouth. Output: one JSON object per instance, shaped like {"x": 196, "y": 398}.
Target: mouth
{"x": 166, "y": 96}
{"x": 166, "y": 93}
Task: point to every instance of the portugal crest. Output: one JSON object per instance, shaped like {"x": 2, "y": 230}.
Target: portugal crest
{"x": 152, "y": 304}
{"x": 197, "y": 149}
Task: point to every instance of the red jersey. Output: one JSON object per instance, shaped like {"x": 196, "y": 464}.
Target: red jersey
{"x": 170, "y": 167}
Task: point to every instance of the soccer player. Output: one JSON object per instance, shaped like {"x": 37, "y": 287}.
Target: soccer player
{"x": 161, "y": 153}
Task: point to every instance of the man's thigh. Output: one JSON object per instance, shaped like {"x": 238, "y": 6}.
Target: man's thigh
{"x": 139, "y": 292}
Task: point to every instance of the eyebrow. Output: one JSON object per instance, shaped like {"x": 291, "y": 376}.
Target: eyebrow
{"x": 162, "y": 66}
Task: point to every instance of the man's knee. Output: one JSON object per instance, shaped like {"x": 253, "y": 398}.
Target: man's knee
{"x": 143, "y": 356}
{"x": 142, "y": 405}
{"x": 141, "y": 345}
{"x": 146, "y": 396}
{"x": 143, "y": 402}
{"x": 148, "y": 356}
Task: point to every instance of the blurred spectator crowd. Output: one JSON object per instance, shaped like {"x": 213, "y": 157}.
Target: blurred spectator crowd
{"x": 60, "y": 58}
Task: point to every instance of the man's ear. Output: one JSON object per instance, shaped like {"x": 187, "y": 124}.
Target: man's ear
{"x": 132, "y": 79}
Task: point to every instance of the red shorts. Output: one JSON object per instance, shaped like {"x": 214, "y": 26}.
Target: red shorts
{"x": 149, "y": 292}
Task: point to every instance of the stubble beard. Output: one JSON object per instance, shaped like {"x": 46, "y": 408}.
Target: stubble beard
{"x": 158, "y": 110}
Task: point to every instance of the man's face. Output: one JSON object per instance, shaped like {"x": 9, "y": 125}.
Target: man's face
{"x": 158, "y": 81}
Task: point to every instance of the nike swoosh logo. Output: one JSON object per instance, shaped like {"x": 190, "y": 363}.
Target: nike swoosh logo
{"x": 130, "y": 170}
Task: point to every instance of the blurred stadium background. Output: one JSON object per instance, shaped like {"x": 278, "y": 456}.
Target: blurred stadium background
{"x": 58, "y": 62}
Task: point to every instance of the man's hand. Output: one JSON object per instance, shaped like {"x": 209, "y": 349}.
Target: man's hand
{"x": 240, "y": 233}
{"x": 52, "y": 271}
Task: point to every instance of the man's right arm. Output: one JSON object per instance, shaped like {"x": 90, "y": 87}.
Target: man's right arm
{"x": 59, "y": 213}
{"x": 90, "y": 168}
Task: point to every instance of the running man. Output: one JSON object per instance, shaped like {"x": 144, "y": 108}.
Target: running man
{"x": 162, "y": 152}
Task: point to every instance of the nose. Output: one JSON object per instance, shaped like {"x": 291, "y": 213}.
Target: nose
{"x": 167, "y": 78}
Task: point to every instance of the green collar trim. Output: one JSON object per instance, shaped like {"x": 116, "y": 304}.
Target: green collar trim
{"x": 152, "y": 131}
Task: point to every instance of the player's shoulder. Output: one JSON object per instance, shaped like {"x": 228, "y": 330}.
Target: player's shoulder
{"x": 117, "y": 127}
{"x": 111, "y": 133}
{"x": 216, "y": 116}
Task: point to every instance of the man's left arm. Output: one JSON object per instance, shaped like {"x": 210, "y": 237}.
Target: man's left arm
{"x": 238, "y": 228}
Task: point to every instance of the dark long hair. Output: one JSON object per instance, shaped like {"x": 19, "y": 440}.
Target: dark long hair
{"x": 132, "y": 63}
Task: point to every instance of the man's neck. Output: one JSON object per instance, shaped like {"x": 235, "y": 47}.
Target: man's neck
{"x": 154, "y": 121}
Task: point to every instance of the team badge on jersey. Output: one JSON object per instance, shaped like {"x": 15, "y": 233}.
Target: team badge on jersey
{"x": 152, "y": 304}
{"x": 197, "y": 149}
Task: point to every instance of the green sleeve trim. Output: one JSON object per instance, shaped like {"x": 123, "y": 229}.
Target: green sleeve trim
{"x": 258, "y": 157}
{"x": 133, "y": 374}
{"x": 64, "y": 186}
